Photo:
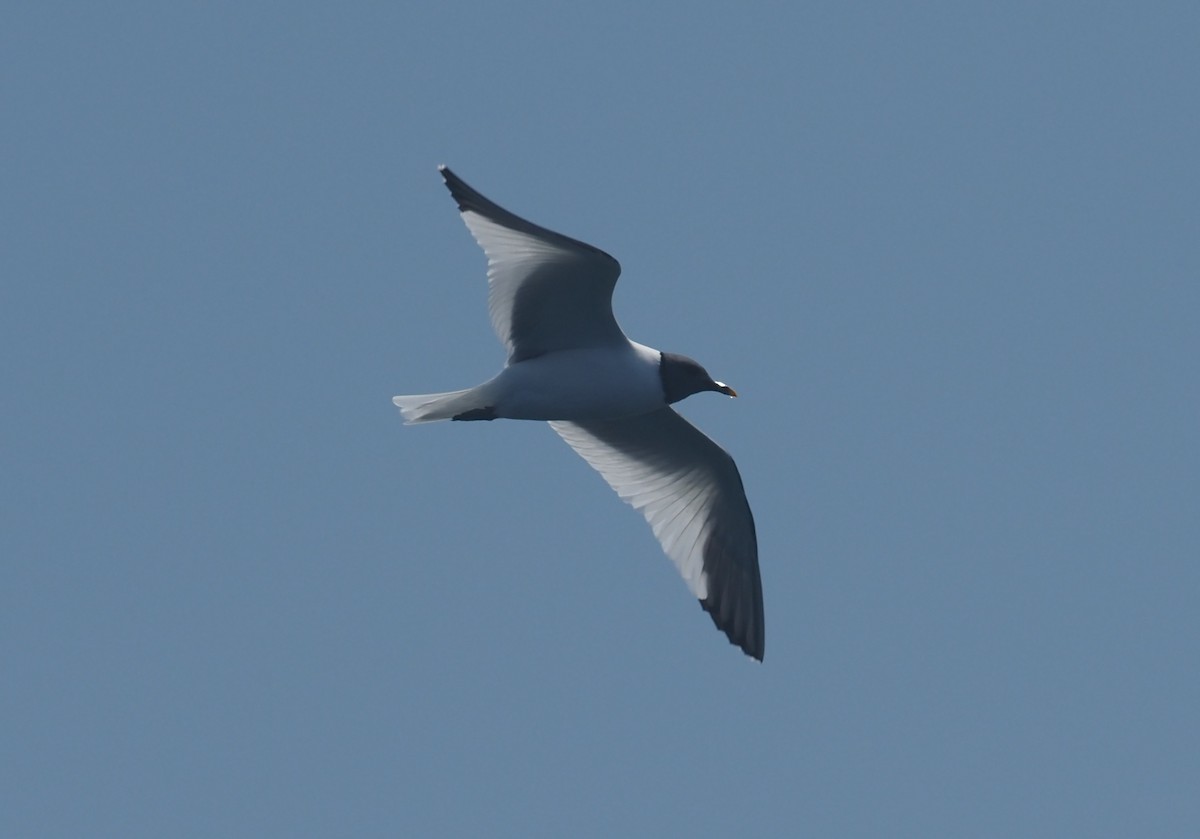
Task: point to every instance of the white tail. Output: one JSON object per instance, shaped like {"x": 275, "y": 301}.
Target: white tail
{"x": 430, "y": 407}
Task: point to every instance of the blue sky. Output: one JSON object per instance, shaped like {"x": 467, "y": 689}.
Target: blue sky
{"x": 946, "y": 252}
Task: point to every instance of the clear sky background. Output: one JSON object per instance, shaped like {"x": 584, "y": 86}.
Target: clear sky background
{"x": 949, "y": 253}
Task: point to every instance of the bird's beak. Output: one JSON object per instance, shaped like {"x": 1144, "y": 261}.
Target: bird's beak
{"x": 725, "y": 389}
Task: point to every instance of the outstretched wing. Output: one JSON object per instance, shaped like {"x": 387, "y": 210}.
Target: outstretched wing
{"x": 690, "y": 492}
{"x": 546, "y": 291}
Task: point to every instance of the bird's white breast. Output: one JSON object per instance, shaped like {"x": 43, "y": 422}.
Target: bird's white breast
{"x": 582, "y": 384}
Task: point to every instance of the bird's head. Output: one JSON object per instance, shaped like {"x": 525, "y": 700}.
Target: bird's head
{"x": 682, "y": 376}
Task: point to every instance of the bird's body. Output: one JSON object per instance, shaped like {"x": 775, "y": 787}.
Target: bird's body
{"x": 589, "y": 383}
{"x": 609, "y": 398}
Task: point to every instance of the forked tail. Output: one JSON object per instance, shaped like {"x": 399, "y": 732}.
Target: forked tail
{"x": 430, "y": 407}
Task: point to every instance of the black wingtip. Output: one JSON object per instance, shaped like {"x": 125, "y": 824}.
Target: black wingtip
{"x": 747, "y": 639}
{"x": 465, "y": 196}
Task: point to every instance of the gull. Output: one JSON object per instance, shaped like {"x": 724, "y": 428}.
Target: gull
{"x": 569, "y": 364}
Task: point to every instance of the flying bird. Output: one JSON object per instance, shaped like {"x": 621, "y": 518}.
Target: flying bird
{"x": 569, "y": 364}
